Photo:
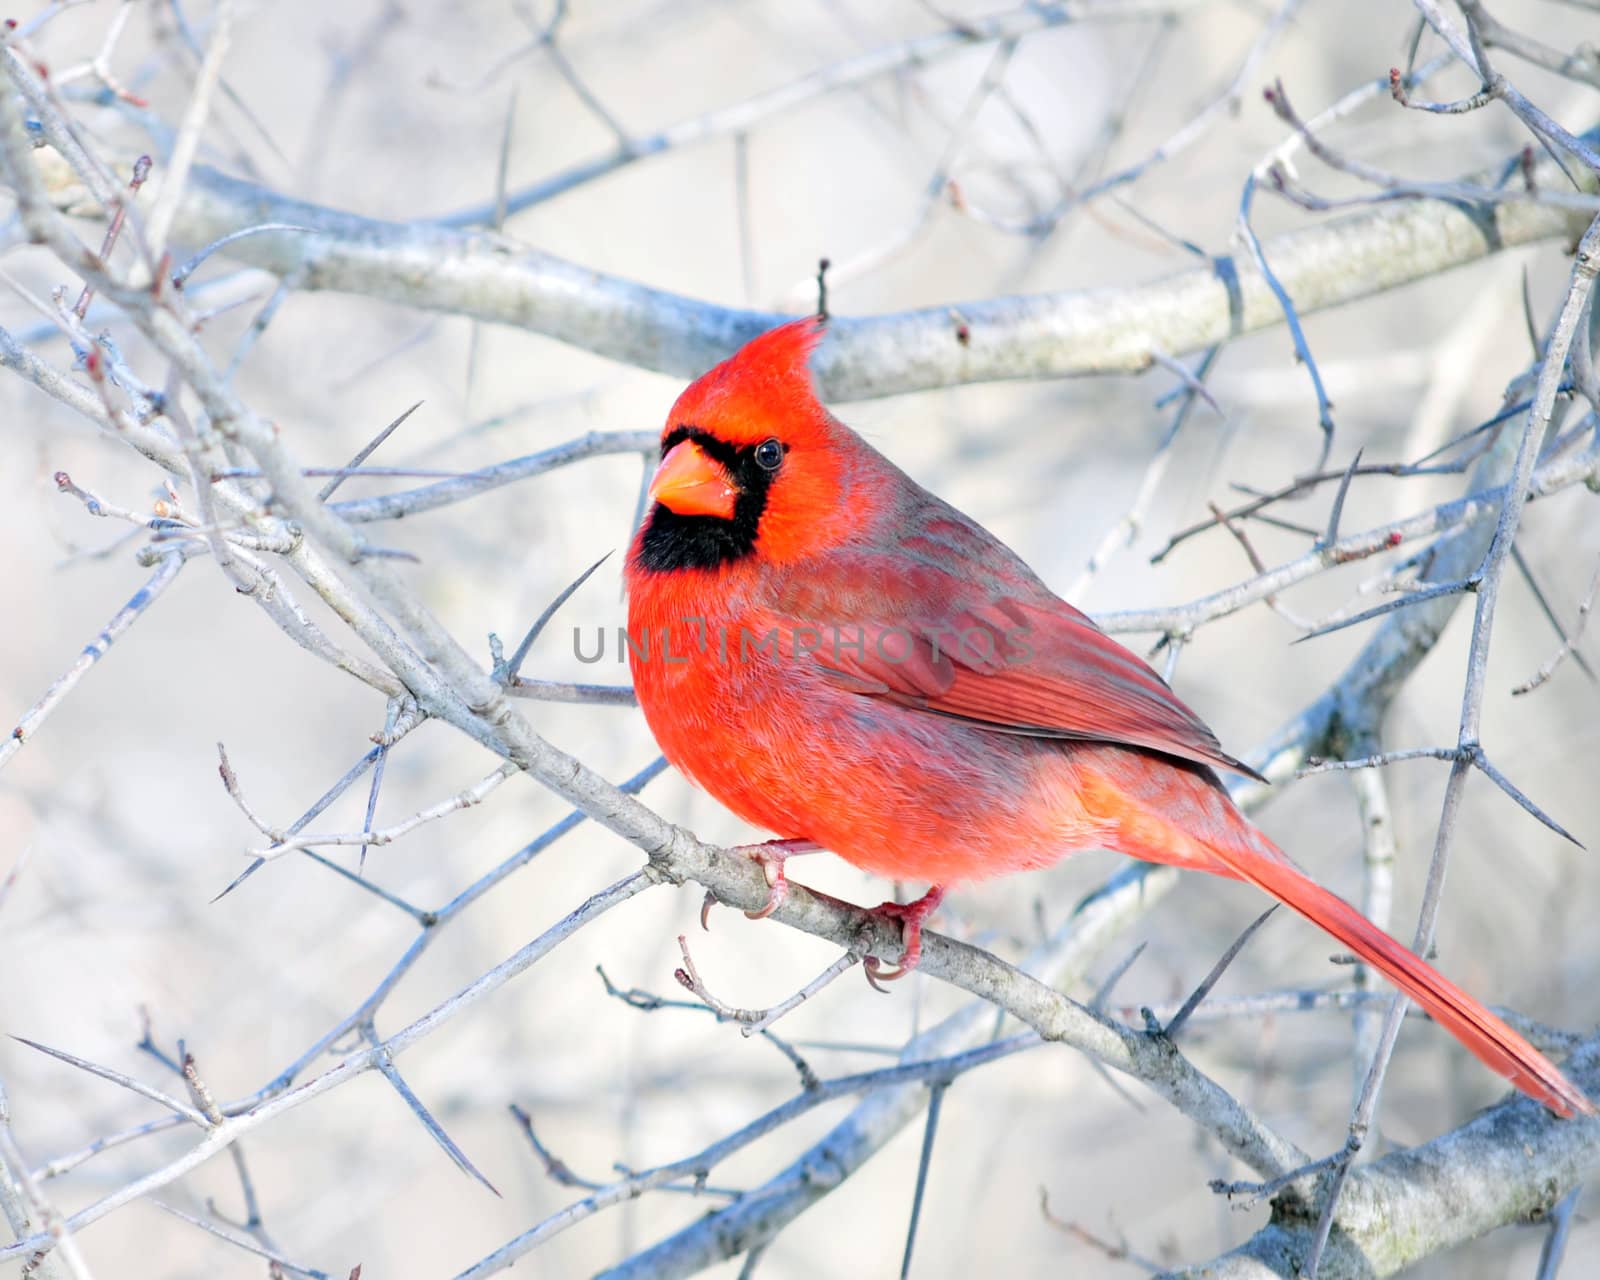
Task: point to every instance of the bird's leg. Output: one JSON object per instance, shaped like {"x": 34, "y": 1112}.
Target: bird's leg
{"x": 770, "y": 857}
{"x": 911, "y": 916}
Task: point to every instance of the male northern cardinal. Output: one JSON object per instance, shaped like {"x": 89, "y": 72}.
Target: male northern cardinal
{"x": 849, "y": 662}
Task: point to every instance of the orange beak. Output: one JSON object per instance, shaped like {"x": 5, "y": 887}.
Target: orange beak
{"x": 690, "y": 483}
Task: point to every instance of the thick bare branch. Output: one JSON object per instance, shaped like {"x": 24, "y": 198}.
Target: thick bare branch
{"x": 490, "y": 277}
{"x": 1513, "y": 1163}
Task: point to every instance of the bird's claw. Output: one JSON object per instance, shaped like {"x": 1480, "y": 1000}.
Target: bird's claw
{"x": 911, "y": 916}
{"x": 770, "y": 857}
{"x": 876, "y": 975}
{"x": 777, "y": 886}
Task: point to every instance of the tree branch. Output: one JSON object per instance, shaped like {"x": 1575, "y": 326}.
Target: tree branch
{"x": 490, "y": 277}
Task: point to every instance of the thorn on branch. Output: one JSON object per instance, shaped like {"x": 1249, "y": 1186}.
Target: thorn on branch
{"x": 557, "y": 1168}
{"x": 1481, "y": 760}
{"x": 365, "y": 452}
{"x": 435, "y": 1130}
{"x": 1332, "y": 534}
{"x": 506, "y": 673}
{"x": 1175, "y": 1024}
{"x": 120, "y": 1078}
{"x": 1104, "y": 990}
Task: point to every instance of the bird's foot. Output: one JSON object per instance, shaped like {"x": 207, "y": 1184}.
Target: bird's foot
{"x": 770, "y": 857}
{"x": 911, "y": 916}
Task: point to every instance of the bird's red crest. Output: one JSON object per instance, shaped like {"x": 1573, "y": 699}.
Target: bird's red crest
{"x": 764, "y": 386}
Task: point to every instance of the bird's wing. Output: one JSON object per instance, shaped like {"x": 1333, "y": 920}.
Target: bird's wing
{"x": 1008, "y": 656}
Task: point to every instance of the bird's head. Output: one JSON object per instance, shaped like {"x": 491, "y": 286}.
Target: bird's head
{"x": 750, "y": 460}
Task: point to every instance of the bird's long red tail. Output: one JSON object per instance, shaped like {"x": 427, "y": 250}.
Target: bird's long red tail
{"x": 1231, "y": 846}
{"x": 1490, "y": 1040}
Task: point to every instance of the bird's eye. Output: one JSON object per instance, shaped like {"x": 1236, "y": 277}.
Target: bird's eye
{"x": 769, "y": 453}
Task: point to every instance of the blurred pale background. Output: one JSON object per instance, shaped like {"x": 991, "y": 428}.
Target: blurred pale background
{"x": 386, "y": 110}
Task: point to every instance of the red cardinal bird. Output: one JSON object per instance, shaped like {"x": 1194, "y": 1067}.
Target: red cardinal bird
{"x": 847, "y": 661}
